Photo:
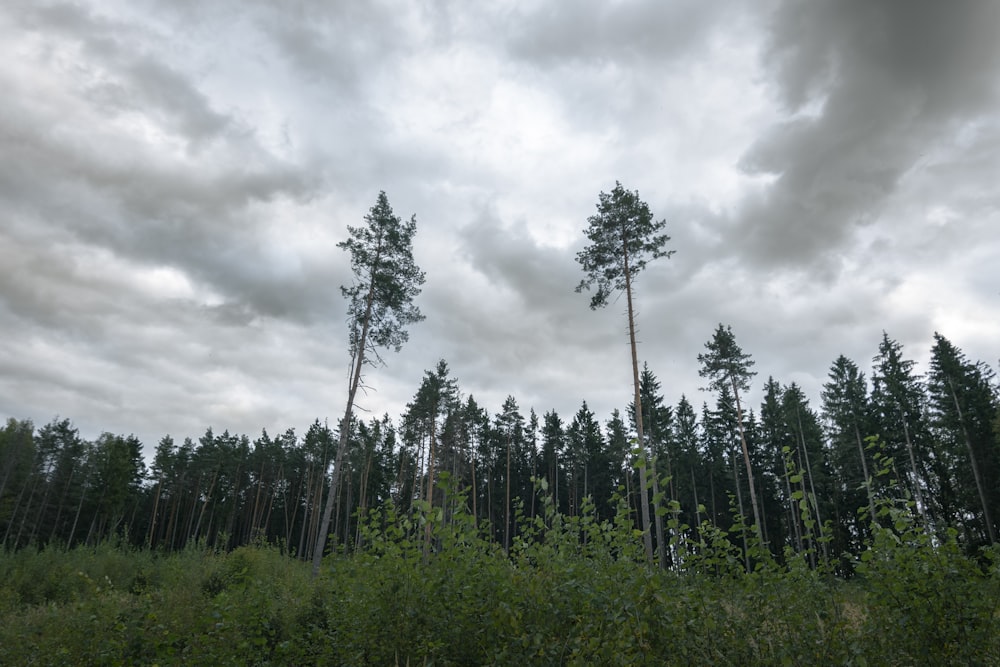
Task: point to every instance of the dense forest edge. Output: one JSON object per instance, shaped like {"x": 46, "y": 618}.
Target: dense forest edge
{"x": 937, "y": 437}
{"x": 876, "y": 545}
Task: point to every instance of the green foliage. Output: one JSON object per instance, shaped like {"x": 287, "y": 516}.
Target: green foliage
{"x": 725, "y": 363}
{"x": 573, "y": 590}
{"x": 926, "y": 601}
{"x": 386, "y": 279}
{"x": 623, "y": 237}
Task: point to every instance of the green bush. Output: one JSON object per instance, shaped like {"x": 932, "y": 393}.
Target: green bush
{"x": 571, "y": 591}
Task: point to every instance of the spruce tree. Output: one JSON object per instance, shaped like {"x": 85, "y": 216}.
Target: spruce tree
{"x": 846, "y": 412}
{"x": 963, "y": 403}
{"x": 726, "y": 365}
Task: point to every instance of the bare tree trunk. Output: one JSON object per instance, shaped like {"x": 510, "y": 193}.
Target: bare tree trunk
{"x": 76, "y": 518}
{"x": 358, "y": 361}
{"x": 42, "y": 507}
{"x": 793, "y": 515}
{"x": 661, "y": 545}
{"x": 152, "y": 516}
{"x": 644, "y": 491}
{"x": 363, "y": 501}
{"x": 805, "y": 497}
{"x": 746, "y": 460}
{"x": 17, "y": 506}
{"x": 534, "y": 475}
{"x": 864, "y": 470}
{"x": 918, "y": 496}
{"x": 475, "y": 492}
{"x": 430, "y": 481}
{"x": 506, "y": 527}
{"x": 975, "y": 467}
{"x": 62, "y": 501}
{"x": 812, "y": 485}
{"x": 739, "y": 502}
{"x": 204, "y": 505}
{"x": 711, "y": 491}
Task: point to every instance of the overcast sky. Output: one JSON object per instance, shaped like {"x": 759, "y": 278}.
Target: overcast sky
{"x": 175, "y": 176}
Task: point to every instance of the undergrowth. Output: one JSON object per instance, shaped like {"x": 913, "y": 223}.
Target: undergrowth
{"x": 572, "y": 590}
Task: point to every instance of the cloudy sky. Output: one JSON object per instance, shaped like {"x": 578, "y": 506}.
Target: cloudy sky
{"x": 175, "y": 176}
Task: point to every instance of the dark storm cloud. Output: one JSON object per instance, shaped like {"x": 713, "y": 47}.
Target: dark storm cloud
{"x": 871, "y": 86}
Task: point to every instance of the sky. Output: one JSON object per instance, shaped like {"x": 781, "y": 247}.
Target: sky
{"x": 175, "y": 178}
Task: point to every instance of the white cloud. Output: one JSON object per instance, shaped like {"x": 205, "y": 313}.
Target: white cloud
{"x": 176, "y": 179}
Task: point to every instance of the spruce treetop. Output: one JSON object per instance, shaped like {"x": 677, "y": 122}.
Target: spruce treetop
{"x": 725, "y": 362}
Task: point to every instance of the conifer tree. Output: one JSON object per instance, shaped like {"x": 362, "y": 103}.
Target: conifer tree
{"x": 623, "y": 238}
{"x": 898, "y": 406}
{"x": 684, "y": 434}
{"x": 846, "y": 412}
{"x": 656, "y": 418}
{"x": 380, "y": 306}
{"x": 726, "y": 365}
{"x": 553, "y": 444}
{"x": 963, "y": 403}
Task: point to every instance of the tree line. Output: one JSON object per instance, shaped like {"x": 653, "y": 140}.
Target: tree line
{"x": 799, "y": 475}
{"x": 938, "y": 435}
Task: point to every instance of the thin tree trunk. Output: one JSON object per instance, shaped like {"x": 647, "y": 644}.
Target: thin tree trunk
{"x": 555, "y": 505}
{"x": 62, "y": 502}
{"x": 42, "y": 507}
{"x": 805, "y": 498}
{"x": 746, "y": 460}
{"x": 864, "y": 470}
{"x": 430, "y": 481}
{"x": 363, "y": 501}
{"x": 793, "y": 516}
{"x": 345, "y": 427}
{"x": 348, "y": 503}
{"x": 534, "y": 475}
{"x": 697, "y": 508}
{"x": 17, "y": 506}
{"x": 204, "y": 505}
{"x": 475, "y": 492}
{"x": 307, "y": 501}
{"x": 739, "y": 502}
{"x": 812, "y": 485}
{"x": 975, "y": 467}
{"x": 152, "y": 516}
{"x": 193, "y": 511}
{"x": 255, "y": 513}
{"x": 661, "y": 545}
{"x": 506, "y": 528}
{"x": 644, "y": 497}
{"x": 918, "y": 496}
{"x": 711, "y": 491}
{"x": 76, "y": 518}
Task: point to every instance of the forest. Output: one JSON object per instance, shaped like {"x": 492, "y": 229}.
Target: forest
{"x": 939, "y": 434}
{"x": 862, "y": 530}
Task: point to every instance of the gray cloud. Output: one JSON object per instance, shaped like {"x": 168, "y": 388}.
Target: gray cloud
{"x": 873, "y": 87}
{"x": 176, "y": 177}
{"x": 593, "y": 31}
